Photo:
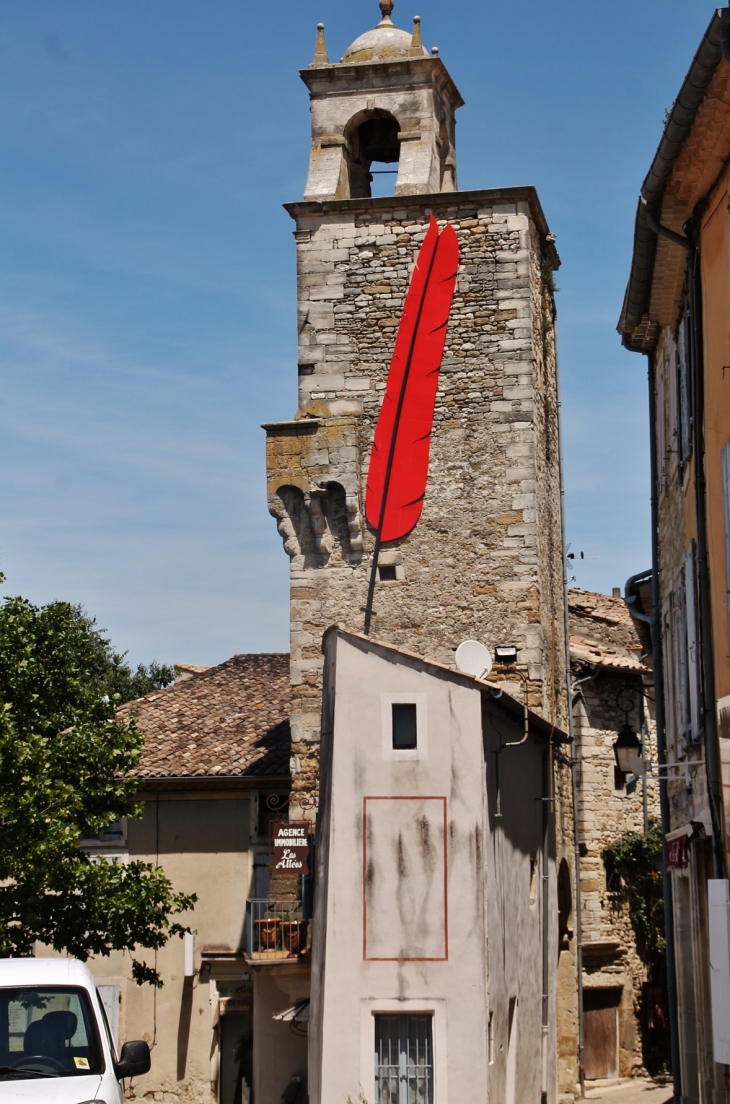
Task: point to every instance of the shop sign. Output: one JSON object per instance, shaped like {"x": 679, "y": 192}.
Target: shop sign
{"x": 292, "y": 846}
{"x": 677, "y": 852}
{"x": 234, "y": 1006}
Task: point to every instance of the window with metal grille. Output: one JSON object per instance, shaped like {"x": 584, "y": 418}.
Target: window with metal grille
{"x": 403, "y": 1059}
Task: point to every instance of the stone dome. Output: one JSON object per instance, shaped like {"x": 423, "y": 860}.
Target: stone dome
{"x": 384, "y": 43}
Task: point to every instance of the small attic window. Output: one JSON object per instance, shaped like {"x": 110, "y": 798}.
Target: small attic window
{"x": 405, "y": 729}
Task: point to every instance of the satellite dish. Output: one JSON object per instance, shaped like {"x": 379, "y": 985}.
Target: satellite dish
{"x": 474, "y": 659}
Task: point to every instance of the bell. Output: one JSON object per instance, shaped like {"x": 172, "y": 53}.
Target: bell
{"x": 379, "y": 140}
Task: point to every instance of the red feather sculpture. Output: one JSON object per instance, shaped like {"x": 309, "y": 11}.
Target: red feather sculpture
{"x": 398, "y": 471}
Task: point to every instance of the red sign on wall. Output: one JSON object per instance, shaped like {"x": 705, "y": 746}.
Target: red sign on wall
{"x": 678, "y": 852}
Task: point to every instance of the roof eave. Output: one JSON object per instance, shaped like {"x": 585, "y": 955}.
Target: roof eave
{"x": 501, "y": 698}
{"x": 676, "y": 130}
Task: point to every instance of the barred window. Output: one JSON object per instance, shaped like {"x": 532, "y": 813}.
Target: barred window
{"x": 403, "y": 1059}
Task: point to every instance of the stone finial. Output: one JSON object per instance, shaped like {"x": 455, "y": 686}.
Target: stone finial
{"x": 386, "y": 7}
{"x": 416, "y": 40}
{"x": 435, "y": 51}
{"x": 320, "y": 49}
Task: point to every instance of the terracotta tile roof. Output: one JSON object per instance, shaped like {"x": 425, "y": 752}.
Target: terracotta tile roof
{"x": 603, "y": 632}
{"x": 229, "y": 720}
{"x": 602, "y": 607}
{"x": 587, "y": 651}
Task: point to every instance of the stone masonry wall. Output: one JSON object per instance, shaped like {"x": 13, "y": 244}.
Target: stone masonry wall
{"x": 485, "y": 559}
{"x": 610, "y": 956}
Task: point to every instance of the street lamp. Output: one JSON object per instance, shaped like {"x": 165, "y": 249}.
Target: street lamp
{"x": 627, "y": 749}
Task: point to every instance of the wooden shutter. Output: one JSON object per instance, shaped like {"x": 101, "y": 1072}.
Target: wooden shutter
{"x": 683, "y": 367}
{"x": 725, "y": 464}
{"x": 669, "y": 692}
{"x": 661, "y": 435}
{"x": 693, "y": 659}
{"x": 678, "y": 631}
{"x": 673, "y": 385}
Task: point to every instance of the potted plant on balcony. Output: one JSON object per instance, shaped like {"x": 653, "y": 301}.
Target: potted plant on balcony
{"x": 268, "y": 932}
{"x": 291, "y": 931}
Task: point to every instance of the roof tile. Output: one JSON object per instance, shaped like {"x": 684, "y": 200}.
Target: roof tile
{"x": 230, "y": 720}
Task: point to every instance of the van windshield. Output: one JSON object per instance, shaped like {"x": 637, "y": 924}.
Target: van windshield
{"x": 47, "y": 1031}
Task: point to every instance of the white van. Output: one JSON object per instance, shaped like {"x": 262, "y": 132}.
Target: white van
{"x": 55, "y": 1043}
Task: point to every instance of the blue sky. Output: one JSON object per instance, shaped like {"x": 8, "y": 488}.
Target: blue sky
{"x": 147, "y": 298}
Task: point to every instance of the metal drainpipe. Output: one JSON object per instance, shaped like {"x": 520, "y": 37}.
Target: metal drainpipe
{"x": 658, "y": 666}
{"x": 546, "y": 804}
{"x": 573, "y": 762}
{"x": 712, "y": 747}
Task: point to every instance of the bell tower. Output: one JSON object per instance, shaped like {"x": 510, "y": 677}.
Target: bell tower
{"x": 386, "y": 101}
{"x": 485, "y": 559}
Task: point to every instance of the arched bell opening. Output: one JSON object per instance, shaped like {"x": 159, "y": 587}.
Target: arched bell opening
{"x": 373, "y": 147}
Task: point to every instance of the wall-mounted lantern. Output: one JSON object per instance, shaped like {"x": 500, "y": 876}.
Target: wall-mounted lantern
{"x": 627, "y": 749}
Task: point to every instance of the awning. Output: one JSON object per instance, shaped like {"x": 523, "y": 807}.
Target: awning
{"x": 702, "y": 820}
{"x": 298, "y": 1013}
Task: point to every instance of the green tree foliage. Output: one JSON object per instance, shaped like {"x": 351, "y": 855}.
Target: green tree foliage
{"x": 107, "y": 669}
{"x": 65, "y": 763}
{"x": 634, "y": 862}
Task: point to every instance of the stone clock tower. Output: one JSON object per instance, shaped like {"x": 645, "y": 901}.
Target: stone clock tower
{"x": 486, "y": 559}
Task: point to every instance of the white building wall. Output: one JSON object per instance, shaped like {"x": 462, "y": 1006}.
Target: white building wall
{"x": 402, "y": 917}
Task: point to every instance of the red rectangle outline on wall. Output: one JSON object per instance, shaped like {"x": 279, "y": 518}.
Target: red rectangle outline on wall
{"x": 429, "y": 797}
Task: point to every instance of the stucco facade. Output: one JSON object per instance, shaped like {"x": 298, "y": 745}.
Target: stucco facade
{"x": 676, "y": 311}
{"x": 436, "y": 881}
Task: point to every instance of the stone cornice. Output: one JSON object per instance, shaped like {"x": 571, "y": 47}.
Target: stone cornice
{"x": 487, "y": 196}
{"x": 377, "y": 73}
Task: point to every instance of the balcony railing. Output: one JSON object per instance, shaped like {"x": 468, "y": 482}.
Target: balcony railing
{"x": 276, "y": 929}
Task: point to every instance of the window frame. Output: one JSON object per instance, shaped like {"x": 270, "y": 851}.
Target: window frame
{"x": 387, "y": 701}
{"x": 684, "y": 387}
{"x": 694, "y": 656}
{"x": 406, "y": 1034}
{"x": 397, "y": 708}
{"x": 435, "y": 1007}
{"x": 681, "y": 673}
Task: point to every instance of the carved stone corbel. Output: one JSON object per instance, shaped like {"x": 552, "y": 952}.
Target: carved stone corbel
{"x": 354, "y": 524}
{"x": 318, "y": 518}
{"x": 284, "y": 526}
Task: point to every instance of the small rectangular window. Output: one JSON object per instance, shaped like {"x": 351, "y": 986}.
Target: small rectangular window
{"x": 405, "y": 730}
{"x": 404, "y": 1059}
{"x": 387, "y": 573}
{"x": 113, "y": 837}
